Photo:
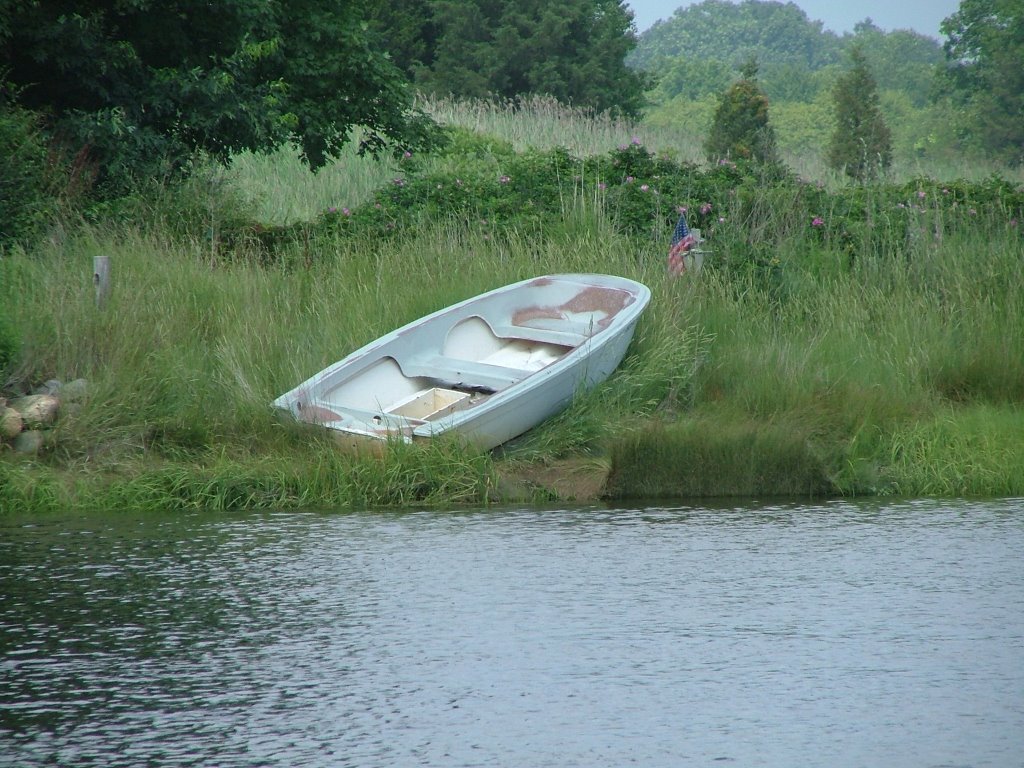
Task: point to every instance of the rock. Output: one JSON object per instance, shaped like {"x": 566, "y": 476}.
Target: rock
{"x": 29, "y": 442}
{"x": 48, "y": 387}
{"x": 74, "y": 391}
{"x": 37, "y": 410}
{"x": 10, "y": 423}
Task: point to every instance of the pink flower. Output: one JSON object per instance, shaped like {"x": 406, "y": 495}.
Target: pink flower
{"x": 921, "y": 194}
{"x": 818, "y": 222}
{"x": 602, "y": 186}
{"x": 629, "y": 179}
{"x": 644, "y": 187}
{"x": 504, "y": 179}
{"x": 636, "y": 141}
{"x": 346, "y": 211}
{"x": 705, "y": 209}
{"x": 407, "y": 154}
{"x": 681, "y": 209}
{"x": 332, "y": 209}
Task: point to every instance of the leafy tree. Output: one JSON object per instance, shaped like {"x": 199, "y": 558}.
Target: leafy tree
{"x": 771, "y": 32}
{"x": 861, "y": 144}
{"x": 740, "y": 129}
{"x": 573, "y": 50}
{"x": 135, "y": 87}
{"x": 984, "y": 52}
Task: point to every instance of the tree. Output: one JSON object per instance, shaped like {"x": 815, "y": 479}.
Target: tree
{"x": 574, "y": 50}
{"x": 136, "y": 87}
{"x": 984, "y": 50}
{"x": 861, "y": 144}
{"x": 740, "y": 129}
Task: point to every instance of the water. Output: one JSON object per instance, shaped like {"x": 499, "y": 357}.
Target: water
{"x": 839, "y": 634}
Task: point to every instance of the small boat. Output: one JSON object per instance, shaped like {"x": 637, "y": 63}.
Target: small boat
{"x": 486, "y": 369}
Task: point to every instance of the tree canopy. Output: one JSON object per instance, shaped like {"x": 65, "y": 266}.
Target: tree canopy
{"x": 135, "y": 87}
{"x": 574, "y": 50}
{"x": 985, "y": 52}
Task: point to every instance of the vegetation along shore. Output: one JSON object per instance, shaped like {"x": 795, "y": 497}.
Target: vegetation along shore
{"x": 853, "y": 331}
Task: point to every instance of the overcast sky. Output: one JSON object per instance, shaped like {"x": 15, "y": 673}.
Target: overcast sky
{"x": 839, "y": 16}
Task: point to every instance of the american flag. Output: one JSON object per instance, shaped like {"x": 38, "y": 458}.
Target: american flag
{"x": 682, "y": 241}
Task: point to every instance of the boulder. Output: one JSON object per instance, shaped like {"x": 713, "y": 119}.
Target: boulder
{"x": 37, "y": 410}
{"x": 74, "y": 391}
{"x": 29, "y": 442}
{"x": 10, "y": 423}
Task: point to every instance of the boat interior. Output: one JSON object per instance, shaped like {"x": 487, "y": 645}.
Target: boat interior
{"x": 411, "y": 383}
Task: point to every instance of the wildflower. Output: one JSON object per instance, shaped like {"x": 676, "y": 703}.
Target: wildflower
{"x": 973, "y": 212}
{"x": 921, "y": 194}
{"x": 636, "y": 141}
{"x": 602, "y": 186}
{"x": 721, "y": 219}
{"x": 346, "y": 212}
{"x": 817, "y": 222}
{"x": 440, "y": 186}
{"x": 332, "y": 209}
{"x": 407, "y": 154}
{"x": 504, "y": 179}
{"x": 1013, "y": 222}
{"x": 458, "y": 182}
{"x": 945, "y": 191}
{"x": 399, "y": 182}
{"x": 705, "y": 209}
{"x": 682, "y": 210}
{"x": 630, "y": 179}
{"x": 644, "y": 187}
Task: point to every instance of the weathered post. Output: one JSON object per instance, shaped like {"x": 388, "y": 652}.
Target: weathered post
{"x": 101, "y": 279}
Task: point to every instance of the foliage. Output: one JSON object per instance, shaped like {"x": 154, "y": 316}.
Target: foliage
{"x": 861, "y": 144}
{"x": 984, "y": 51}
{"x": 572, "y": 50}
{"x": 28, "y": 174}
{"x": 740, "y": 129}
{"x": 137, "y": 87}
{"x": 736, "y": 32}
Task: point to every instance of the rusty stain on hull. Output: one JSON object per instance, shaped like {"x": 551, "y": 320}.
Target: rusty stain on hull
{"x": 610, "y": 301}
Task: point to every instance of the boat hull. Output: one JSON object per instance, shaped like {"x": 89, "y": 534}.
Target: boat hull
{"x": 486, "y": 369}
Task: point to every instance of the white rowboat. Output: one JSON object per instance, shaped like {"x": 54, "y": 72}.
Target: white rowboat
{"x": 486, "y": 369}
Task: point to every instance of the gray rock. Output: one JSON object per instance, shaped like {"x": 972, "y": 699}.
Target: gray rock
{"x": 74, "y": 391}
{"x": 48, "y": 387}
{"x": 29, "y": 442}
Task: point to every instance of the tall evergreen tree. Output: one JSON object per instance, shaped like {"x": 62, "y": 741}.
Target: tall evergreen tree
{"x": 861, "y": 145}
{"x": 740, "y": 129}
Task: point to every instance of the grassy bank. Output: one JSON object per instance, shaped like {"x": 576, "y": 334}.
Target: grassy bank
{"x": 876, "y": 347}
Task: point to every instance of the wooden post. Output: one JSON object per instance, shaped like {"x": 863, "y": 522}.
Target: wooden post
{"x": 101, "y": 279}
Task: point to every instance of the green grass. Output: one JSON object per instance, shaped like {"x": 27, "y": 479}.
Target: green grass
{"x": 894, "y": 366}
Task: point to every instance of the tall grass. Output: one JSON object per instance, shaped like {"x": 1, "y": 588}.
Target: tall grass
{"x": 895, "y": 365}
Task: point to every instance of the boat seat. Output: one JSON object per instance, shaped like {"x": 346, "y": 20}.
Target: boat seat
{"x": 463, "y": 373}
{"x": 571, "y": 338}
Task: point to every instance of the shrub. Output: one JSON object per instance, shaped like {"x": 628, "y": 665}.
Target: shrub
{"x": 27, "y": 189}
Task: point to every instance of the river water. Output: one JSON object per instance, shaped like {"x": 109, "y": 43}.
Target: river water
{"x": 836, "y": 634}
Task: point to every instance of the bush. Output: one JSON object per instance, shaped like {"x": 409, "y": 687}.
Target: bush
{"x": 27, "y": 179}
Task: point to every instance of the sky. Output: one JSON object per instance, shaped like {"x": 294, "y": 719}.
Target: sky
{"x": 923, "y": 16}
